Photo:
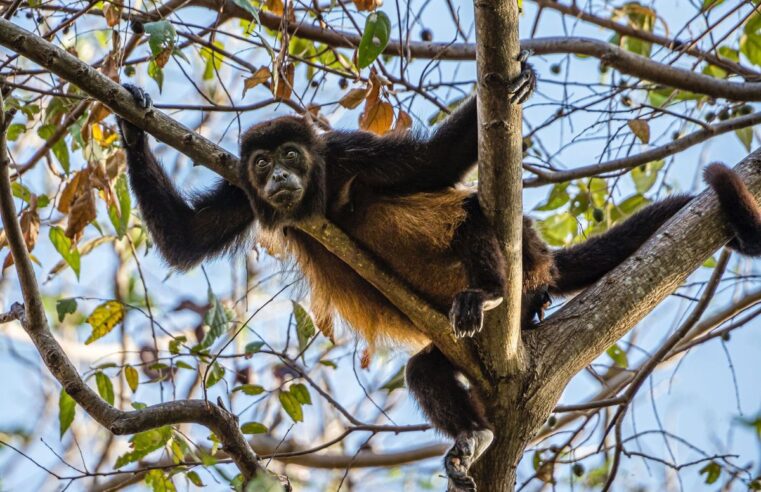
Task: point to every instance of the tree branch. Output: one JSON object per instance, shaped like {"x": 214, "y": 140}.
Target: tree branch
{"x": 500, "y": 189}
{"x": 430, "y": 322}
{"x": 34, "y": 322}
{"x": 590, "y": 323}
{"x": 625, "y": 163}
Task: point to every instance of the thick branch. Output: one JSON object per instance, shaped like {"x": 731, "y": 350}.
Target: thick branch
{"x": 500, "y": 189}
{"x": 627, "y": 30}
{"x": 598, "y": 317}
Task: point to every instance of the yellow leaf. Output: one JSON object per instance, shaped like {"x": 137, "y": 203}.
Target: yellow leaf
{"x": 353, "y": 98}
{"x": 104, "y": 319}
{"x": 130, "y": 374}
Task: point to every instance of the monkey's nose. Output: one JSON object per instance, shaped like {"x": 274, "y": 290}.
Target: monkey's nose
{"x": 280, "y": 177}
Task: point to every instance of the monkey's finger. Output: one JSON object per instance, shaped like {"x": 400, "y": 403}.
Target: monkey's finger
{"x": 520, "y": 81}
{"x": 521, "y": 95}
{"x": 524, "y": 55}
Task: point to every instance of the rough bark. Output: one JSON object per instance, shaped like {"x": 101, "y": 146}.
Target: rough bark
{"x": 500, "y": 190}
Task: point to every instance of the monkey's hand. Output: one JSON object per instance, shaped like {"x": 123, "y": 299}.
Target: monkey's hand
{"x": 468, "y": 447}
{"x": 467, "y": 312}
{"x": 523, "y": 86}
{"x": 132, "y": 135}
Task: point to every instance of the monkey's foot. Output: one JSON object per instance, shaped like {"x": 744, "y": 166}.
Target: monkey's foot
{"x": 523, "y": 86}
{"x": 130, "y": 133}
{"x": 467, "y": 312}
{"x": 468, "y": 447}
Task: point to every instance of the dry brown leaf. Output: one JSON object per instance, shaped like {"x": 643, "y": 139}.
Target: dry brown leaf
{"x": 353, "y": 98}
{"x": 403, "y": 122}
{"x": 110, "y": 67}
{"x": 284, "y": 85}
{"x": 163, "y": 58}
{"x": 82, "y": 213}
{"x": 367, "y": 4}
{"x": 70, "y": 190}
{"x": 112, "y": 11}
{"x": 30, "y": 229}
{"x": 260, "y": 76}
{"x": 641, "y": 129}
{"x": 275, "y": 6}
{"x": 366, "y": 358}
{"x": 98, "y": 113}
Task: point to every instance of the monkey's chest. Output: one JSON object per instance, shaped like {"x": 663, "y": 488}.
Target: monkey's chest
{"x": 412, "y": 236}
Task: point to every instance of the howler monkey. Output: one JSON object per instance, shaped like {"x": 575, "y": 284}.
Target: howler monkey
{"x": 395, "y": 194}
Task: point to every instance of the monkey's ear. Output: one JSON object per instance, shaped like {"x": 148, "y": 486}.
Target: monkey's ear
{"x": 343, "y": 201}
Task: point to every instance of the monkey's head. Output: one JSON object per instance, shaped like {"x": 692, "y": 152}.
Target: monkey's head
{"x": 283, "y": 167}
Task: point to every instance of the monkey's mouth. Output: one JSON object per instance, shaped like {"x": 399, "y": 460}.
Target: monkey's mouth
{"x": 286, "y": 197}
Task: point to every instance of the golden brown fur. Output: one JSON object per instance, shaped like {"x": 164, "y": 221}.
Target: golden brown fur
{"x": 411, "y": 236}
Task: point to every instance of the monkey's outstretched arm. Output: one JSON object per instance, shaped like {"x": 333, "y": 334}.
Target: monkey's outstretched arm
{"x": 409, "y": 162}
{"x": 215, "y": 221}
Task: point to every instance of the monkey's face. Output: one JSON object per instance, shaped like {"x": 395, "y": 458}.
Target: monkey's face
{"x": 280, "y": 175}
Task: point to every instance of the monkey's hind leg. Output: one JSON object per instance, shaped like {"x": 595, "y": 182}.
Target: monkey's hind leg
{"x": 452, "y": 408}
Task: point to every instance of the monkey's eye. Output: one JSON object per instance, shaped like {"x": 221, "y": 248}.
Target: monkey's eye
{"x": 291, "y": 155}
{"x": 262, "y": 163}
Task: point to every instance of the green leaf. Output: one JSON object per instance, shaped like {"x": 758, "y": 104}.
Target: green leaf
{"x": 213, "y": 60}
{"x": 301, "y": 393}
{"x": 64, "y": 307}
{"x": 291, "y": 406}
{"x": 249, "y": 389}
{"x": 161, "y": 36}
{"x": 130, "y": 374}
{"x": 395, "y": 382}
{"x": 216, "y": 319}
{"x": 184, "y": 365}
{"x": 710, "y": 262}
{"x": 374, "y": 38}
{"x": 253, "y": 428}
{"x": 194, "y": 479}
{"x": 120, "y": 218}
{"x": 156, "y": 73}
{"x": 304, "y": 325}
{"x": 60, "y": 151}
{"x": 158, "y": 482}
{"x": 557, "y": 198}
{"x": 105, "y": 388}
{"x": 104, "y": 318}
{"x": 14, "y": 131}
{"x": 144, "y": 443}
{"x": 619, "y": 356}
{"x": 66, "y": 411}
{"x": 746, "y": 137}
{"x": 65, "y": 248}
{"x": 712, "y": 471}
{"x": 215, "y": 375}
{"x": 248, "y": 7}
{"x": 645, "y": 176}
{"x": 253, "y": 347}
